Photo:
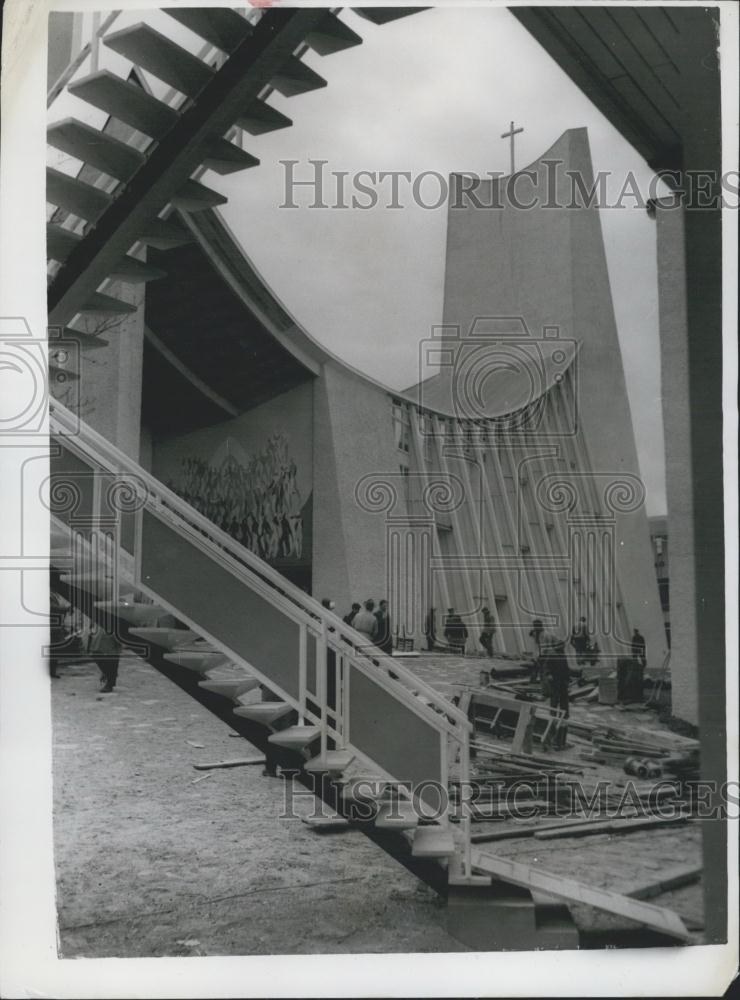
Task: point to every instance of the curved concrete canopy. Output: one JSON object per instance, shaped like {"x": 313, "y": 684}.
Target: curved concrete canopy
{"x": 498, "y": 367}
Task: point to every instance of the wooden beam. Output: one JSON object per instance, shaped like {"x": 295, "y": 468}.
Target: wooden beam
{"x": 657, "y": 918}
{"x": 672, "y": 878}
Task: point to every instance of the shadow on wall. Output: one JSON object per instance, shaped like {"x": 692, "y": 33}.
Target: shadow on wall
{"x": 257, "y": 503}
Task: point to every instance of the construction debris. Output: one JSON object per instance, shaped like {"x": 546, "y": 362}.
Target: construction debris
{"x": 665, "y": 921}
{"x": 239, "y": 762}
{"x": 673, "y": 878}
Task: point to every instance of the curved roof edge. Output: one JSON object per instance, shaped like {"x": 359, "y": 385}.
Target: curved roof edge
{"x": 238, "y": 270}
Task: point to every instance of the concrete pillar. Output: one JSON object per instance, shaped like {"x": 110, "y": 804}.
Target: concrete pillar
{"x": 674, "y": 354}
{"x": 109, "y": 389}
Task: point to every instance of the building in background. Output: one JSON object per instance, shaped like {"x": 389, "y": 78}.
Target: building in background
{"x": 495, "y": 482}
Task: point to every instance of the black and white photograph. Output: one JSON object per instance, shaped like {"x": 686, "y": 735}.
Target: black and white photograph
{"x": 368, "y": 431}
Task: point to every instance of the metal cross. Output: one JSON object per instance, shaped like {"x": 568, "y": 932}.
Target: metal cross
{"x": 510, "y": 135}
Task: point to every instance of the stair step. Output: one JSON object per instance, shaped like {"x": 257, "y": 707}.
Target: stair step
{"x": 196, "y": 197}
{"x": 165, "y": 234}
{"x": 398, "y": 815}
{"x": 265, "y": 712}
{"x": 85, "y": 341}
{"x": 125, "y": 101}
{"x": 220, "y": 26}
{"x": 226, "y": 158}
{"x": 60, "y": 242}
{"x": 199, "y": 663}
{"x": 96, "y": 148}
{"x": 332, "y": 35}
{"x": 159, "y": 55}
{"x": 382, "y": 15}
{"x": 134, "y": 614}
{"x": 327, "y": 821}
{"x": 332, "y": 762}
{"x": 294, "y": 737}
{"x": 90, "y": 582}
{"x": 260, "y": 118}
{"x": 229, "y": 687}
{"x": 107, "y": 305}
{"x": 363, "y": 789}
{"x": 166, "y": 638}
{"x": 253, "y": 696}
{"x": 135, "y": 272}
{"x": 77, "y": 197}
{"x": 295, "y": 77}
{"x": 60, "y": 556}
{"x": 433, "y": 842}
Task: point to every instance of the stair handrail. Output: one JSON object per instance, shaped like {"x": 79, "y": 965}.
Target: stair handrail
{"x": 71, "y": 427}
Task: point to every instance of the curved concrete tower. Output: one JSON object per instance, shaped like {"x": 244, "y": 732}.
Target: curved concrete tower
{"x": 526, "y": 269}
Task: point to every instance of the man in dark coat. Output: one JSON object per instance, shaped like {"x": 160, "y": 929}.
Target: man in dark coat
{"x": 105, "y": 649}
{"x": 349, "y": 618}
{"x": 487, "y": 632}
{"x": 455, "y": 632}
{"x": 638, "y": 647}
{"x": 579, "y": 640}
{"x": 555, "y": 663}
{"x": 384, "y": 637}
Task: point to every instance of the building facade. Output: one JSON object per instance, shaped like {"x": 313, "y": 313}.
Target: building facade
{"x": 494, "y": 483}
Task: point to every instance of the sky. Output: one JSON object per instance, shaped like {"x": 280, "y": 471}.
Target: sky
{"x": 429, "y": 92}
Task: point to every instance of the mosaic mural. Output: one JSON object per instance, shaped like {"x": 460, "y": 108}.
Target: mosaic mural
{"x": 256, "y": 501}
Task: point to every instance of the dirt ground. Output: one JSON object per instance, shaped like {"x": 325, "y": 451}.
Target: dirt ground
{"x": 156, "y": 858}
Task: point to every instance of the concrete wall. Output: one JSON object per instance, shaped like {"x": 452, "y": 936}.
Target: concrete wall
{"x": 674, "y": 348}
{"x": 548, "y": 267}
{"x": 108, "y": 395}
{"x": 353, "y": 437}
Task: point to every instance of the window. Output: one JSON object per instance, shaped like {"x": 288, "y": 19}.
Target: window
{"x": 401, "y": 427}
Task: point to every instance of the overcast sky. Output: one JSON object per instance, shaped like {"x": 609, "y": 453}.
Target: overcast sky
{"x": 430, "y": 92}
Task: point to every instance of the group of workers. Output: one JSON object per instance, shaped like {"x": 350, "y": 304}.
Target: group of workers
{"x": 375, "y": 623}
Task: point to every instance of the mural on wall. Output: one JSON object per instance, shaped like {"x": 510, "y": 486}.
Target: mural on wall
{"x": 254, "y": 498}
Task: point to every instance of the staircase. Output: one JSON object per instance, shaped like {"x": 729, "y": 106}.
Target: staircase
{"x": 107, "y": 218}
{"x": 357, "y": 724}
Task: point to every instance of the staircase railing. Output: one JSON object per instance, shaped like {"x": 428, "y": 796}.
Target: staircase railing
{"x": 357, "y": 696}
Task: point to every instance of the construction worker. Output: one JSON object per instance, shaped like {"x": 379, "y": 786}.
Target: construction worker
{"x": 638, "y": 647}
{"x": 455, "y": 632}
{"x": 555, "y": 665}
{"x": 579, "y": 641}
{"x": 487, "y": 632}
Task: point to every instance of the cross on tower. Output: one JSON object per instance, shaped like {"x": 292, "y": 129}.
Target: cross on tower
{"x": 510, "y": 135}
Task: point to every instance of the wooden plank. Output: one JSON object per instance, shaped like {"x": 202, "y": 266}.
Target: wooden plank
{"x": 627, "y": 825}
{"x": 323, "y": 822}
{"x": 673, "y": 878}
{"x": 237, "y": 762}
{"x": 657, "y": 918}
